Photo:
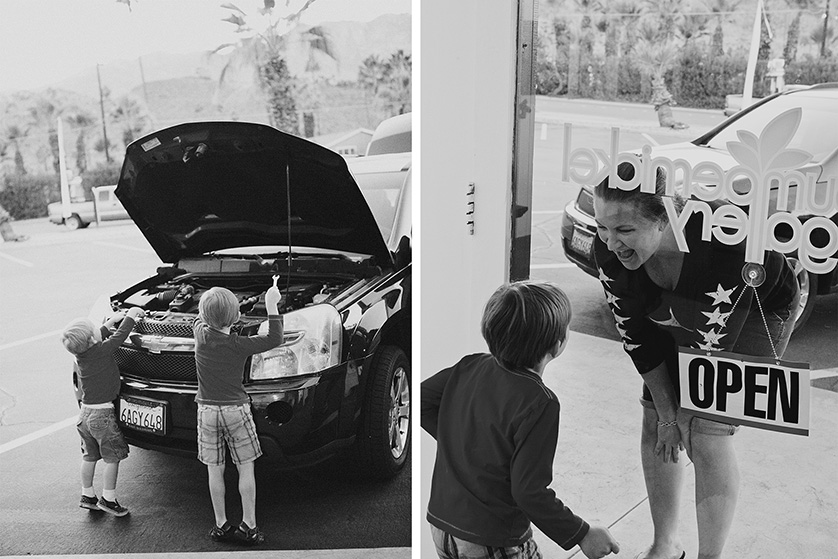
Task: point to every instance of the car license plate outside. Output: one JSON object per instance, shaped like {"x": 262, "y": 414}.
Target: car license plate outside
{"x": 581, "y": 242}
{"x": 143, "y": 414}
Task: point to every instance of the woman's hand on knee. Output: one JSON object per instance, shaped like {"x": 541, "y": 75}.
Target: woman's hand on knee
{"x": 669, "y": 442}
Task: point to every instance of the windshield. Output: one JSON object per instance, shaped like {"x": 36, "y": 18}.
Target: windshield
{"x": 818, "y": 130}
{"x": 383, "y": 199}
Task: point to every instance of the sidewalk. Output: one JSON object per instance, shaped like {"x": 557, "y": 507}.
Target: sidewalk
{"x": 376, "y": 553}
{"x": 788, "y": 500}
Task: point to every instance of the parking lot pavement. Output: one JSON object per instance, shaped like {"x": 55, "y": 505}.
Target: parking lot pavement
{"x": 373, "y": 553}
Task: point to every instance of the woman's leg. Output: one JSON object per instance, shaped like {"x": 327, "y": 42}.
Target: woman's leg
{"x": 663, "y": 486}
{"x": 716, "y": 490}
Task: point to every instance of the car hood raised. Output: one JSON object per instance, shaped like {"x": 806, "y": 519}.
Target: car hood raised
{"x": 201, "y": 187}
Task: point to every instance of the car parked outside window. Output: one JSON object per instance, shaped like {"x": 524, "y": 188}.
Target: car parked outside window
{"x": 817, "y": 134}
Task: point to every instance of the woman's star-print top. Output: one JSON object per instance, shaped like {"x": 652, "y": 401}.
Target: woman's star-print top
{"x": 699, "y": 313}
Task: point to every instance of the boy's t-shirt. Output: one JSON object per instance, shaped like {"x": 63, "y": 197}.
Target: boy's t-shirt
{"x": 220, "y": 359}
{"x": 496, "y": 433}
{"x": 98, "y": 373}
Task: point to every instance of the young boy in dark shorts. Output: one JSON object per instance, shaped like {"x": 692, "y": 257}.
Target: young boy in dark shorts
{"x": 496, "y": 425}
{"x": 224, "y": 416}
{"x": 98, "y": 377}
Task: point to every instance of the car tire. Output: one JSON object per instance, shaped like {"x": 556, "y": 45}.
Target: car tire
{"x": 384, "y": 436}
{"x": 808, "y": 283}
{"x": 73, "y": 222}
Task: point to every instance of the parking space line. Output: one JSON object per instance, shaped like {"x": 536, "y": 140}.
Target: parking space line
{"x": 38, "y": 434}
{"x": 16, "y": 260}
{"x": 124, "y": 247}
{"x": 30, "y": 339}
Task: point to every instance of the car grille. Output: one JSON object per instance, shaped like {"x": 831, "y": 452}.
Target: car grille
{"x": 179, "y": 367}
{"x": 167, "y": 328}
{"x": 585, "y": 201}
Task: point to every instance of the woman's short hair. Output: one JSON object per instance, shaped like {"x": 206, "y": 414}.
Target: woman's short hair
{"x": 219, "y": 307}
{"x": 523, "y": 321}
{"x": 77, "y": 336}
{"x": 650, "y": 205}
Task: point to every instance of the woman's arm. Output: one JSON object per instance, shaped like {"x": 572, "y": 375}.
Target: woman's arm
{"x": 666, "y": 404}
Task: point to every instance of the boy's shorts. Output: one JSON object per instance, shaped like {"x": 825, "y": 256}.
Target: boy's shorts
{"x": 701, "y": 425}
{"x": 449, "y": 547}
{"x": 100, "y": 436}
{"x": 230, "y": 426}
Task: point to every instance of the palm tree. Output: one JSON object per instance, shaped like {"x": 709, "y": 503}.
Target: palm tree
{"x": 12, "y": 135}
{"x": 721, "y": 8}
{"x": 45, "y": 113}
{"x": 629, "y": 18}
{"x": 265, "y": 49}
{"x": 656, "y": 55}
{"x": 81, "y": 120}
{"x": 793, "y": 33}
{"x": 132, "y": 116}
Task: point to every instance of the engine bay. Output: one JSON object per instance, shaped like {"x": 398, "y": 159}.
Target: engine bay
{"x": 173, "y": 295}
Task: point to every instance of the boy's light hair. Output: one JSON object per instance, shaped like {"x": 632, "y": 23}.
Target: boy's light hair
{"x": 77, "y": 336}
{"x": 219, "y": 307}
{"x": 523, "y": 321}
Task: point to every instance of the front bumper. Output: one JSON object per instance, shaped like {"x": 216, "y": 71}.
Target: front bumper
{"x": 573, "y": 219}
{"x": 300, "y": 422}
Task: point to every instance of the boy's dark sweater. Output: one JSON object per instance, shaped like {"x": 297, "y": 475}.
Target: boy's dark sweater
{"x": 496, "y": 433}
{"x": 98, "y": 372}
{"x": 220, "y": 358}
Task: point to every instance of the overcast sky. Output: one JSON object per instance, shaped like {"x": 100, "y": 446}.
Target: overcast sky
{"x": 44, "y": 41}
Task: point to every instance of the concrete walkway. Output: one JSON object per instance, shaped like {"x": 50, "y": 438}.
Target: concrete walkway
{"x": 788, "y": 503}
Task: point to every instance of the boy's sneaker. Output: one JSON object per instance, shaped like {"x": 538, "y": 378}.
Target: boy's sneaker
{"x": 249, "y": 536}
{"x": 223, "y": 534}
{"x": 112, "y": 507}
{"x": 89, "y": 502}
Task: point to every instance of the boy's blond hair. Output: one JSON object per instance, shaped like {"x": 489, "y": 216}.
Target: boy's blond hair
{"x": 219, "y": 307}
{"x": 77, "y": 336}
{"x": 523, "y": 321}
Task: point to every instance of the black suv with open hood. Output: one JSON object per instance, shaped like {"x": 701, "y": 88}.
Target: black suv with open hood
{"x": 232, "y": 204}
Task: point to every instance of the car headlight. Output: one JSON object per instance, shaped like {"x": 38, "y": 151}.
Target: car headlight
{"x": 312, "y": 343}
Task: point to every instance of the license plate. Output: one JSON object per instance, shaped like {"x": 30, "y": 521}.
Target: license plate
{"x": 143, "y": 414}
{"x": 581, "y": 242}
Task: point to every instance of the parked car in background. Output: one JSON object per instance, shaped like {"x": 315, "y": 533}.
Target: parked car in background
{"x": 233, "y": 204}
{"x": 817, "y": 134}
{"x": 105, "y": 206}
{"x": 382, "y": 174}
{"x": 393, "y": 135}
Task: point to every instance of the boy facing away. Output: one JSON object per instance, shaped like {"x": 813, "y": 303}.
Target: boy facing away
{"x": 496, "y": 425}
{"x": 224, "y": 416}
{"x": 98, "y": 377}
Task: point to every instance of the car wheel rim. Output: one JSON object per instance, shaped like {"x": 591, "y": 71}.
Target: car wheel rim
{"x": 802, "y": 276}
{"x": 399, "y": 422}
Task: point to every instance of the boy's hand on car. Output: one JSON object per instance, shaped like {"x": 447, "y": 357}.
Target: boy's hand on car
{"x": 114, "y": 319}
{"x": 272, "y": 299}
{"x": 136, "y": 313}
{"x": 598, "y": 542}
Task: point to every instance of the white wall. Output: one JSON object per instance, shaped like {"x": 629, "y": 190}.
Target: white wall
{"x": 467, "y": 72}
{"x": 468, "y": 50}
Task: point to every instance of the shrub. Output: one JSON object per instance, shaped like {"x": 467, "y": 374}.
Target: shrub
{"x": 27, "y": 196}
{"x": 103, "y": 174}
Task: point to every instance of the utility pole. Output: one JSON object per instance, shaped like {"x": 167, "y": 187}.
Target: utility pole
{"x": 825, "y": 29}
{"x": 102, "y": 110}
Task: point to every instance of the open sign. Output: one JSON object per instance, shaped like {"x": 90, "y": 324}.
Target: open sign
{"x": 745, "y": 390}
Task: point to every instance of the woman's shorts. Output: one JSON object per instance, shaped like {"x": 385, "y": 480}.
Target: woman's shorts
{"x": 699, "y": 424}
{"x": 232, "y": 427}
{"x": 449, "y": 547}
{"x": 100, "y": 436}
